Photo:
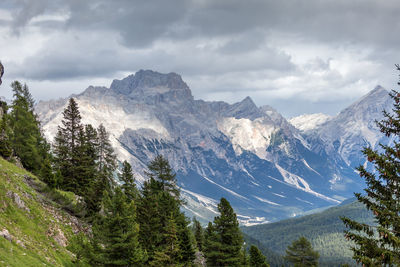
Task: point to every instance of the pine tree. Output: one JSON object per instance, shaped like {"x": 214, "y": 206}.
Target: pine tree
{"x": 5, "y": 132}
{"x": 25, "y": 129}
{"x": 168, "y": 252}
{"x": 257, "y": 259}
{"x": 301, "y": 253}
{"x": 380, "y": 245}
{"x": 224, "y": 239}
{"x": 128, "y": 186}
{"x": 82, "y": 247}
{"x": 211, "y": 245}
{"x": 107, "y": 160}
{"x": 244, "y": 258}
{"x": 198, "y": 234}
{"x": 149, "y": 217}
{"x": 116, "y": 233}
{"x": 66, "y": 147}
{"x": 159, "y": 199}
{"x": 187, "y": 252}
{"x": 160, "y": 170}
{"x": 47, "y": 174}
{"x": 86, "y": 169}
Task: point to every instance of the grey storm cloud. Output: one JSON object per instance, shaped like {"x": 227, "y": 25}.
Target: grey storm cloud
{"x": 70, "y": 57}
{"x": 140, "y": 23}
{"x": 319, "y": 53}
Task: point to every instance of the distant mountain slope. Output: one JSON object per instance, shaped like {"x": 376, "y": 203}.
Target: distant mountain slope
{"x": 273, "y": 258}
{"x": 33, "y": 229}
{"x": 351, "y": 130}
{"x": 251, "y": 155}
{"x": 309, "y": 122}
{"x": 324, "y": 230}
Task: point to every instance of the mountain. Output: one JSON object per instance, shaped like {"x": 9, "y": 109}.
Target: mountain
{"x": 308, "y": 122}
{"x": 352, "y": 129}
{"x": 34, "y": 225}
{"x": 323, "y": 229}
{"x": 267, "y": 168}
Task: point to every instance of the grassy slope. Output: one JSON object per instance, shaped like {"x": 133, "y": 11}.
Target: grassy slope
{"x": 324, "y": 230}
{"x": 37, "y": 228}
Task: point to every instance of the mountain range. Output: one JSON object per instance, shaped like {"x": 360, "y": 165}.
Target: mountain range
{"x": 268, "y": 167}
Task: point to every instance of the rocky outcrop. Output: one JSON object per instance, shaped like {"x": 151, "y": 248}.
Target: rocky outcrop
{"x": 4, "y": 233}
{"x": 17, "y": 200}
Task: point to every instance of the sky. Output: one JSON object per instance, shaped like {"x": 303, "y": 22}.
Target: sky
{"x": 298, "y": 56}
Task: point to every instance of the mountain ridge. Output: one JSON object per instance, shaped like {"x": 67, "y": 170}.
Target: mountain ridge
{"x": 251, "y": 155}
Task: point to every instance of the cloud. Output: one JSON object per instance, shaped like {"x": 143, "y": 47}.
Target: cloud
{"x": 299, "y": 56}
{"x": 140, "y": 23}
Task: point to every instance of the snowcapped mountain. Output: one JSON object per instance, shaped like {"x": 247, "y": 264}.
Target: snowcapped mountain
{"x": 250, "y": 155}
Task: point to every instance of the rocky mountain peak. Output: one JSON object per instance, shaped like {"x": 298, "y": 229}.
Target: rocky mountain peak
{"x": 378, "y": 93}
{"x": 372, "y": 103}
{"x": 143, "y": 80}
{"x": 378, "y": 90}
{"x": 244, "y": 109}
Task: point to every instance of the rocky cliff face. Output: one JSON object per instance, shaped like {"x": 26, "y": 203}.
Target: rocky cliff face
{"x": 354, "y": 128}
{"x": 262, "y": 164}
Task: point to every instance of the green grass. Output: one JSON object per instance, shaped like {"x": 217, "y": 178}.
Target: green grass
{"x": 34, "y": 228}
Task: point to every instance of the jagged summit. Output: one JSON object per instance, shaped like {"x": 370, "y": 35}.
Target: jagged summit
{"x": 244, "y": 109}
{"x": 143, "y": 80}
{"x": 378, "y": 92}
{"x": 379, "y": 89}
{"x": 376, "y": 99}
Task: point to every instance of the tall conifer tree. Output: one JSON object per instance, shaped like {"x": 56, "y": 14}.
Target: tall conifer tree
{"x": 198, "y": 234}
{"x": 211, "y": 245}
{"x": 27, "y": 140}
{"x": 5, "y": 131}
{"x": 301, "y": 253}
{"x": 380, "y": 245}
{"x": 66, "y": 146}
{"x": 149, "y": 216}
{"x": 168, "y": 252}
{"x": 257, "y": 259}
{"x": 116, "y": 233}
{"x": 224, "y": 239}
{"x": 107, "y": 160}
{"x": 87, "y": 170}
{"x": 159, "y": 199}
{"x": 128, "y": 186}
{"x": 161, "y": 171}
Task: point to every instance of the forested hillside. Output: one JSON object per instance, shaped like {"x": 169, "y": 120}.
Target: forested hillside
{"x": 324, "y": 230}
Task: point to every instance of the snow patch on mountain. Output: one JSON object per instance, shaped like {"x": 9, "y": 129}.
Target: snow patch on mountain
{"x": 266, "y": 201}
{"x": 307, "y": 122}
{"x": 279, "y": 195}
{"x": 246, "y": 134}
{"x": 226, "y": 189}
{"x": 293, "y": 179}
{"x": 249, "y": 221}
{"x": 297, "y": 181}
